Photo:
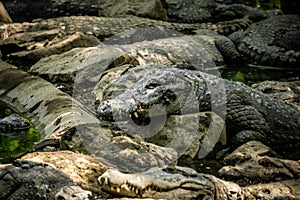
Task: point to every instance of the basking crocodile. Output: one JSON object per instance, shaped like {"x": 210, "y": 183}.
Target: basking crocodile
{"x": 185, "y": 183}
{"x": 250, "y": 114}
{"x": 29, "y": 180}
{"x": 103, "y": 27}
{"x": 168, "y": 183}
{"x": 189, "y": 11}
{"x": 271, "y": 42}
{"x": 195, "y": 11}
{"x": 57, "y": 35}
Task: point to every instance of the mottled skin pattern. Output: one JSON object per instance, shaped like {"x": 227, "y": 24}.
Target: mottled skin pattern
{"x": 28, "y": 180}
{"x": 272, "y": 42}
{"x": 195, "y": 11}
{"x": 250, "y": 114}
{"x": 189, "y": 11}
{"x": 167, "y": 183}
{"x": 103, "y": 27}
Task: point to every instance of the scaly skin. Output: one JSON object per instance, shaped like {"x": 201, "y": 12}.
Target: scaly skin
{"x": 167, "y": 183}
{"x": 250, "y": 114}
{"x": 189, "y": 11}
{"x": 103, "y": 27}
{"x": 29, "y": 180}
{"x": 185, "y": 183}
{"x": 272, "y": 42}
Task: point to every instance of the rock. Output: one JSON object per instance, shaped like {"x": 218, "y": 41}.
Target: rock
{"x": 82, "y": 169}
{"x": 62, "y": 68}
{"x": 254, "y": 162}
{"x": 135, "y": 155}
{"x": 49, "y": 43}
{"x": 186, "y": 133}
{"x": 142, "y": 8}
{"x": 29, "y": 180}
{"x": 73, "y": 193}
{"x": 288, "y": 92}
{"x": 276, "y": 190}
{"x": 53, "y": 112}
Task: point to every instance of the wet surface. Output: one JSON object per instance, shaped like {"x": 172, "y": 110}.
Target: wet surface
{"x": 15, "y": 143}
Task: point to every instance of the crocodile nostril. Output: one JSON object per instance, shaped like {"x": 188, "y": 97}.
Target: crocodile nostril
{"x": 104, "y": 109}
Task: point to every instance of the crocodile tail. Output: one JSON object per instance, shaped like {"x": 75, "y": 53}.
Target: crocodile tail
{"x": 228, "y": 27}
{"x": 270, "y": 55}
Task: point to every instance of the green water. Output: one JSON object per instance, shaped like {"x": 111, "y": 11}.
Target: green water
{"x": 13, "y": 147}
{"x": 250, "y": 75}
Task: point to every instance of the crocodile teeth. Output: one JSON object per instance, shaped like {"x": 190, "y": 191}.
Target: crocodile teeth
{"x": 136, "y": 115}
{"x": 137, "y": 191}
{"x": 118, "y": 190}
{"x": 125, "y": 187}
{"x": 103, "y": 181}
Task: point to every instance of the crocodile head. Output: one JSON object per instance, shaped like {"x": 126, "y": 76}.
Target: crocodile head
{"x": 13, "y": 123}
{"x": 156, "y": 92}
{"x": 167, "y": 183}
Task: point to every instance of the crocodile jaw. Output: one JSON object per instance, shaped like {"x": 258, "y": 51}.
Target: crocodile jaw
{"x": 122, "y": 184}
{"x": 156, "y": 182}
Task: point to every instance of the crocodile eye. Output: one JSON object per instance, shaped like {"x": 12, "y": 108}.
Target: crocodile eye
{"x": 151, "y": 85}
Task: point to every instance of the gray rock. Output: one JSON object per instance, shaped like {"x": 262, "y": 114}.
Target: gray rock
{"x": 73, "y": 193}
{"x": 186, "y": 133}
{"x": 254, "y": 162}
{"x": 288, "y": 92}
{"x": 82, "y": 169}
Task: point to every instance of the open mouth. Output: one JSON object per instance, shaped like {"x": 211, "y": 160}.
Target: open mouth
{"x": 140, "y": 115}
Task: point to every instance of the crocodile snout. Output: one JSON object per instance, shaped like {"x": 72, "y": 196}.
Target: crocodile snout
{"x": 113, "y": 110}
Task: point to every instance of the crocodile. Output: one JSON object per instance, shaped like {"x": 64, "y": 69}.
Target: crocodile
{"x": 103, "y": 27}
{"x": 271, "y": 42}
{"x": 189, "y": 11}
{"x": 13, "y": 125}
{"x": 171, "y": 182}
{"x": 174, "y": 182}
{"x": 183, "y": 11}
{"x": 19, "y": 46}
{"x": 30, "y": 180}
{"x": 195, "y": 11}
{"x": 250, "y": 114}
